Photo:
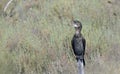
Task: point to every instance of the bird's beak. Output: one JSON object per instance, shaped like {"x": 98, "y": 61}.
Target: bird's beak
{"x": 74, "y": 25}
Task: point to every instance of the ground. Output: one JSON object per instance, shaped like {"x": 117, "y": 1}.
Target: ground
{"x": 36, "y": 39}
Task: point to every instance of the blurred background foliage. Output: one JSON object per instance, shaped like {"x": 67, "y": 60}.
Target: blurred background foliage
{"x": 35, "y": 36}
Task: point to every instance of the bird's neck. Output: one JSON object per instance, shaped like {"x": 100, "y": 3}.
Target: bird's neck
{"x": 78, "y": 33}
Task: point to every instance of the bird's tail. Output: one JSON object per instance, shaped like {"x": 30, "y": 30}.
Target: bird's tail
{"x": 80, "y": 66}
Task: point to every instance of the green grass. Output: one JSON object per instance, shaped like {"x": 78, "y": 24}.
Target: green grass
{"x": 37, "y": 39}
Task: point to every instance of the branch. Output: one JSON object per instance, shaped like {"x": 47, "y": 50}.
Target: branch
{"x": 6, "y": 6}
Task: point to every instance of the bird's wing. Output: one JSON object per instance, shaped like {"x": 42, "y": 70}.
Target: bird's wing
{"x": 84, "y": 44}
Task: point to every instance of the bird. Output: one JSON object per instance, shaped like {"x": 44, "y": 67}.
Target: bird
{"x": 78, "y": 43}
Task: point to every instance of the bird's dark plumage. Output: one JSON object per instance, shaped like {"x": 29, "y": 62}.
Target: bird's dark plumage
{"x": 78, "y": 42}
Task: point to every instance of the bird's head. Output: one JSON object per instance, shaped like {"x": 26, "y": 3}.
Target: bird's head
{"x": 77, "y": 25}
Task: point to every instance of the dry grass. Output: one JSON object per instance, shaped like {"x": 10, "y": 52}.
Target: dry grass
{"x": 37, "y": 38}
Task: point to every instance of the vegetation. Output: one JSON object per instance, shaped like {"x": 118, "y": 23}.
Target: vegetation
{"x": 35, "y": 36}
